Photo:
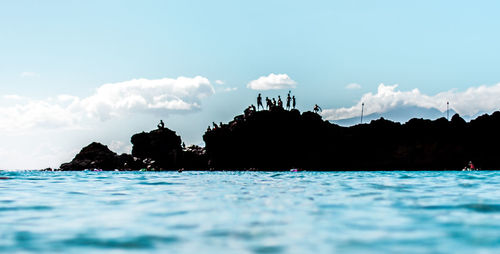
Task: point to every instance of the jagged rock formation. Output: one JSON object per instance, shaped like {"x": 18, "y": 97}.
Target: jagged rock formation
{"x": 156, "y": 150}
{"x": 279, "y": 139}
{"x": 194, "y": 158}
{"x": 161, "y": 146}
{"x": 276, "y": 139}
{"x": 97, "y": 156}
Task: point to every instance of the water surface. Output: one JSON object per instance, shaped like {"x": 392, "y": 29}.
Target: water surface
{"x": 250, "y": 212}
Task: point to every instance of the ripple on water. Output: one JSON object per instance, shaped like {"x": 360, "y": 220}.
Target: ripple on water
{"x": 169, "y": 214}
{"x": 24, "y": 208}
{"x": 158, "y": 183}
{"x": 239, "y": 234}
{"x": 75, "y": 193}
{"x": 468, "y": 185}
{"x": 404, "y": 176}
{"x": 482, "y": 208}
{"x": 269, "y": 249}
{"x": 139, "y": 242}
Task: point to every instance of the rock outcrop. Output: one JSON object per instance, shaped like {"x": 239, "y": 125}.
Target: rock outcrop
{"x": 279, "y": 139}
{"x": 97, "y": 156}
{"x": 161, "y": 147}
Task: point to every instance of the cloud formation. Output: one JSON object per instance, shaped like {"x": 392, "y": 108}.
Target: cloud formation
{"x": 28, "y": 74}
{"x": 158, "y": 96}
{"x": 353, "y": 86}
{"x": 469, "y": 102}
{"x": 144, "y": 95}
{"x": 272, "y": 82}
{"x": 229, "y": 89}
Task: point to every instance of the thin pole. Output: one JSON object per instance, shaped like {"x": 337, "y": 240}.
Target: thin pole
{"x": 362, "y": 110}
{"x": 447, "y": 110}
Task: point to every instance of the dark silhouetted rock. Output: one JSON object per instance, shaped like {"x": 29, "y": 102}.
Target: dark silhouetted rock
{"x": 194, "y": 158}
{"x": 162, "y": 146}
{"x": 96, "y": 156}
{"x": 280, "y": 140}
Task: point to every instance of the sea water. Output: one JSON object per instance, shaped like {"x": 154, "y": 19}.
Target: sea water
{"x": 250, "y": 212}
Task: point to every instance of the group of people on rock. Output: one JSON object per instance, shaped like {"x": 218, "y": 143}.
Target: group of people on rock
{"x": 215, "y": 126}
{"x": 272, "y": 103}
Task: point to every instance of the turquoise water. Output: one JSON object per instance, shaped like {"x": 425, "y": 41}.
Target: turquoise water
{"x": 250, "y": 212}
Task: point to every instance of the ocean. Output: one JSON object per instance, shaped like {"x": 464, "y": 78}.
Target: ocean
{"x": 250, "y": 212}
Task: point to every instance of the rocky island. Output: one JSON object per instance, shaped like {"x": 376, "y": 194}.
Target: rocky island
{"x": 280, "y": 139}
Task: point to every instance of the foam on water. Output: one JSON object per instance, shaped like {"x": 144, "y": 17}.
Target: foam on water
{"x": 250, "y": 212}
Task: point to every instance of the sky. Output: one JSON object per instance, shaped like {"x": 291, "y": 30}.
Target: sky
{"x": 73, "y": 72}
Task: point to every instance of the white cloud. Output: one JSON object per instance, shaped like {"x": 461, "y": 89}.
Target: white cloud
{"x": 219, "y": 82}
{"x": 272, "y": 82}
{"x": 467, "y": 103}
{"x": 29, "y": 74}
{"x": 120, "y": 147}
{"x": 353, "y": 86}
{"x": 12, "y": 97}
{"x": 160, "y": 96}
{"x": 229, "y": 89}
{"x": 139, "y": 95}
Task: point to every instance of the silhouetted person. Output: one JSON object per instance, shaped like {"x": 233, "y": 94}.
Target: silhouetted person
{"x": 274, "y": 102}
{"x": 317, "y": 108}
{"x": 208, "y": 129}
{"x": 268, "y": 103}
{"x": 280, "y": 102}
{"x": 215, "y": 125}
{"x": 161, "y": 125}
{"x": 250, "y": 110}
{"x": 471, "y": 166}
{"x": 293, "y": 101}
{"x": 259, "y": 102}
{"x": 288, "y": 99}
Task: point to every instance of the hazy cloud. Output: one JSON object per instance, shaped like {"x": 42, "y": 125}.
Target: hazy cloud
{"x": 12, "y": 97}
{"x": 467, "y": 103}
{"x": 229, "y": 89}
{"x": 158, "y": 96}
{"x": 139, "y": 95}
{"x": 353, "y": 86}
{"x": 120, "y": 147}
{"x": 28, "y": 74}
{"x": 219, "y": 82}
{"x": 272, "y": 82}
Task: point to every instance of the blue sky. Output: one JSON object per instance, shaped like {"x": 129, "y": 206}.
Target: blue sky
{"x": 448, "y": 50}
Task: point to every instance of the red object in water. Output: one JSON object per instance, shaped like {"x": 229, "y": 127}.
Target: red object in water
{"x": 4, "y": 178}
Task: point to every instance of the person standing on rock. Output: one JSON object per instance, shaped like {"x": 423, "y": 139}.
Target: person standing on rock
{"x": 280, "y": 102}
{"x": 259, "y": 102}
{"x": 268, "y": 103}
{"x": 288, "y": 99}
{"x": 293, "y": 102}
